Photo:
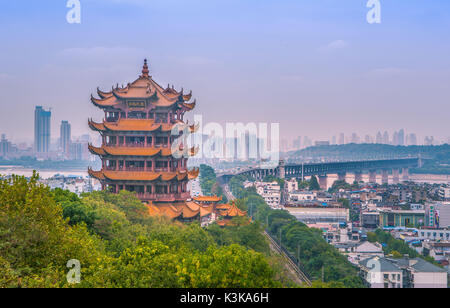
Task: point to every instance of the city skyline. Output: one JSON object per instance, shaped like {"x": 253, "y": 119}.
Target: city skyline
{"x": 361, "y": 74}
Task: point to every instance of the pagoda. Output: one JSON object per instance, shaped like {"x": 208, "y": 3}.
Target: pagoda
{"x": 138, "y": 132}
{"x": 137, "y": 140}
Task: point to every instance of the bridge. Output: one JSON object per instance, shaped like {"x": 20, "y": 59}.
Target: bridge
{"x": 322, "y": 170}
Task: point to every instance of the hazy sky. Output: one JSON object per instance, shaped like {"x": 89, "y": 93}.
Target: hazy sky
{"x": 315, "y": 66}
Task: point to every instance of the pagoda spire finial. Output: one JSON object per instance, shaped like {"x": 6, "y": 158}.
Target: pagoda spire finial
{"x": 145, "y": 70}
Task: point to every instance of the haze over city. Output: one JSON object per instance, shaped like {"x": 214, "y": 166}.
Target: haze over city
{"x": 316, "y": 67}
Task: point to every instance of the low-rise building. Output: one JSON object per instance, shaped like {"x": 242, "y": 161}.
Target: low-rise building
{"x": 380, "y": 272}
{"x": 401, "y": 218}
{"x": 302, "y": 195}
{"x": 270, "y": 192}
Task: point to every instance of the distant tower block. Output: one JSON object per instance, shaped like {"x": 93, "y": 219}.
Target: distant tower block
{"x": 373, "y": 176}
{"x": 323, "y": 182}
{"x": 358, "y": 176}
{"x": 405, "y": 174}
{"x": 396, "y": 176}
{"x": 342, "y": 176}
{"x": 385, "y": 177}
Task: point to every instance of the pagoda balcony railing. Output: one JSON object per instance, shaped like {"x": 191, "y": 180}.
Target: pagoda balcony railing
{"x": 161, "y": 145}
{"x": 138, "y": 169}
{"x": 135, "y": 145}
{"x": 112, "y": 119}
{"x": 170, "y": 197}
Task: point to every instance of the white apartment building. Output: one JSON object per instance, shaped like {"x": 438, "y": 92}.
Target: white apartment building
{"x": 271, "y": 192}
{"x": 402, "y": 273}
{"x": 302, "y": 195}
{"x": 444, "y": 193}
{"x": 291, "y": 185}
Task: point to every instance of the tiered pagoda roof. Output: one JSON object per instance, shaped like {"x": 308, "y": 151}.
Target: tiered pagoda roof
{"x": 131, "y": 125}
{"x": 134, "y": 151}
{"x": 144, "y": 88}
{"x": 144, "y": 176}
{"x": 191, "y": 209}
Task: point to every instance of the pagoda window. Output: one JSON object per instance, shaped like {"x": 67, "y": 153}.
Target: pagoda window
{"x": 137, "y": 115}
{"x": 112, "y": 116}
{"x": 151, "y": 115}
{"x": 149, "y": 189}
{"x": 140, "y": 189}
{"x": 161, "y": 118}
{"x": 120, "y": 187}
{"x": 174, "y": 188}
{"x": 161, "y": 141}
{"x": 149, "y": 164}
{"x": 160, "y": 189}
{"x": 135, "y": 141}
{"x": 121, "y": 139}
{"x": 111, "y": 164}
{"x": 121, "y": 165}
{"x": 123, "y": 115}
{"x": 130, "y": 188}
{"x": 111, "y": 140}
{"x": 149, "y": 140}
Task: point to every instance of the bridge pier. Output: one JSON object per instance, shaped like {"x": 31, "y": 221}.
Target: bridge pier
{"x": 396, "y": 175}
{"x": 282, "y": 170}
{"x": 342, "y": 176}
{"x": 385, "y": 176}
{"x": 358, "y": 176}
{"x": 372, "y": 176}
{"x": 323, "y": 181}
{"x": 405, "y": 174}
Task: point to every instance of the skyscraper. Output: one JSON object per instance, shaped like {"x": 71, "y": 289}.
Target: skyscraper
{"x": 342, "y": 138}
{"x": 401, "y": 137}
{"x": 386, "y": 137}
{"x": 41, "y": 130}
{"x": 379, "y": 139}
{"x": 65, "y": 137}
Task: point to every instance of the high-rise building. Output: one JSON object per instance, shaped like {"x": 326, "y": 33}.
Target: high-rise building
{"x": 429, "y": 140}
{"x": 342, "y": 138}
{"x": 395, "y": 139}
{"x": 297, "y": 144}
{"x": 65, "y": 137}
{"x": 41, "y": 130}
{"x": 401, "y": 137}
{"x": 5, "y": 146}
{"x": 412, "y": 139}
{"x": 355, "y": 138}
{"x": 386, "y": 137}
{"x": 379, "y": 139}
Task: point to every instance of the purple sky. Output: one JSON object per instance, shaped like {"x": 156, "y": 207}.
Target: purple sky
{"x": 315, "y": 66}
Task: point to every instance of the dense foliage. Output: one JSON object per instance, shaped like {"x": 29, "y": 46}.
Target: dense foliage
{"x": 208, "y": 183}
{"x": 316, "y": 255}
{"x": 118, "y": 244}
{"x": 395, "y": 247}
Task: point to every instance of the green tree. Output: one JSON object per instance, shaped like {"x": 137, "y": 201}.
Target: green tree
{"x": 314, "y": 184}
